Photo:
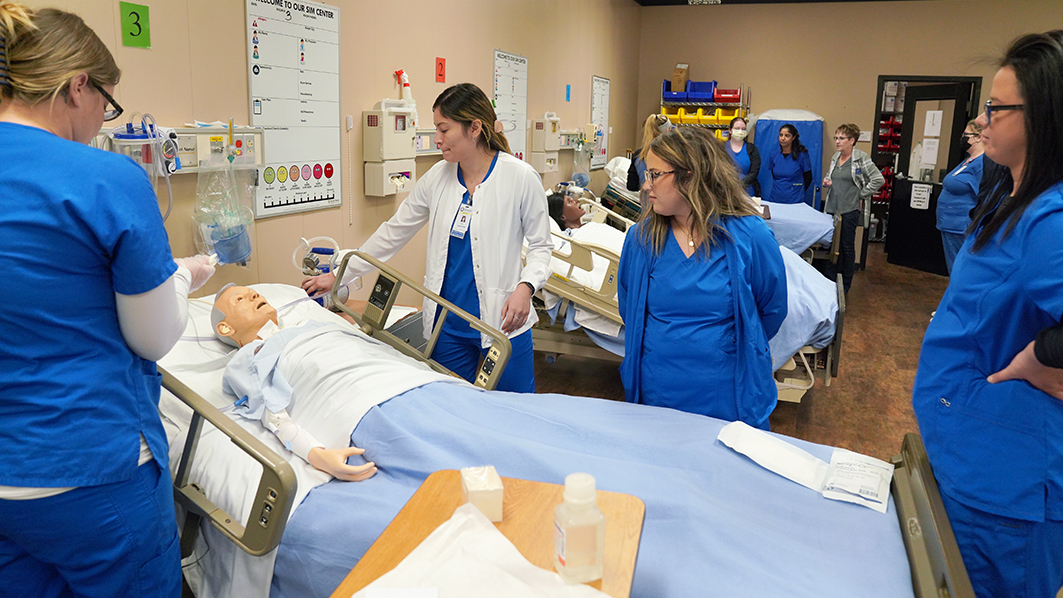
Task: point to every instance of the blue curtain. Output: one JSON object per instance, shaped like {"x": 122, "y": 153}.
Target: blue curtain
{"x": 766, "y": 138}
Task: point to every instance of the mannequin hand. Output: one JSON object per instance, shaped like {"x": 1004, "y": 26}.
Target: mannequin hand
{"x": 1026, "y": 367}
{"x": 334, "y": 463}
{"x": 515, "y": 311}
{"x": 826, "y": 182}
{"x": 320, "y": 284}
{"x": 199, "y": 266}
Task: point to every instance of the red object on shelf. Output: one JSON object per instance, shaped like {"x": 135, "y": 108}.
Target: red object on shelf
{"x": 727, "y": 95}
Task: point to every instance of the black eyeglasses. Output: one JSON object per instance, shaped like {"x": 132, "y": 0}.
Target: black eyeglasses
{"x": 990, "y": 108}
{"x": 653, "y": 175}
{"x": 108, "y": 115}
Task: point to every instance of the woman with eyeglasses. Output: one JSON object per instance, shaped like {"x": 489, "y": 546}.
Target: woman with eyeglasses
{"x": 790, "y": 167}
{"x": 655, "y": 126}
{"x": 702, "y": 287}
{"x": 997, "y": 444}
{"x": 91, "y": 297}
{"x": 959, "y": 194}
{"x": 852, "y": 179}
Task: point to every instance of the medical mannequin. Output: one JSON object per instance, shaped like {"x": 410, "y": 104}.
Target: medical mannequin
{"x": 241, "y": 318}
{"x": 565, "y": 210}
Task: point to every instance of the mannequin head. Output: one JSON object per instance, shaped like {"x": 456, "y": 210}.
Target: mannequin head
{"x": 239, "y": 313}
{"x": 565, "y": 210}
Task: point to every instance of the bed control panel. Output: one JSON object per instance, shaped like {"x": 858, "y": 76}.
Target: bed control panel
{"x": 267, "y": 508}
{"x": 380, "y": 301}
{"x": 488, "y": 367}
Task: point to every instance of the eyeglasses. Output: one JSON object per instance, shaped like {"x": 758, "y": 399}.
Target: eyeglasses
{"x": 653, "y": 175}
{"x": 966, "y": 134}
{"x": 108, "y": 115}
{"x": 990, "y": 108}
{"x": 841, "y": 138}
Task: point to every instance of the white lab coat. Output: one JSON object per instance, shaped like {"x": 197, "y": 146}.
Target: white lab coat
{"x": 507, "y": 208}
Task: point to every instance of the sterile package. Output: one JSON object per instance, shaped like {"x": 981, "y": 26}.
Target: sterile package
{"x": 850, "y": 477}
{"x": 482, "y": 487}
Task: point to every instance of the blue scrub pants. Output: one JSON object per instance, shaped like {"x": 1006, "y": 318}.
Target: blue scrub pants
{"x": 1007, "y": 557}
{"x": 102, "y": 541}
{"x": 462, "y": 356}
{"x": 952, "y": 243}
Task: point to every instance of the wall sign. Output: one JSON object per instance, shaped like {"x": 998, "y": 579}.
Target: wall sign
{"x": 136, "y": 26}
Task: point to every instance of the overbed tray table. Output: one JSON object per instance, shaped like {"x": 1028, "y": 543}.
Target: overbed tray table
{"x": 527, "y": 521}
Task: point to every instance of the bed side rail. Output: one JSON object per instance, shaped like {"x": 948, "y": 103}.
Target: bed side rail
{"x": 274, "y": 497}
{"x": 374, "y": 317}
{"x": 601, "y": 300}
{"x": 936, "y": 564}
{"x": 604, "y": 215}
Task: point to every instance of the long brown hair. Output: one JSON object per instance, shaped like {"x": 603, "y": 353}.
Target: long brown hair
{"x": 41, "y": 51}
{"x": 707, "y": 179}
{"x": 465, "y": 103}
{"x": 652, "y": 130}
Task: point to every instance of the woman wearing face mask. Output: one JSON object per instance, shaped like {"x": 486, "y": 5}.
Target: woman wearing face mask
{"x": 959, "y": 194}
{"x": 746, "y": 156}
{"x": 997, "y": 448}
{"x": 480, "y": 203}
{"x": 791, "y": 168}
{"x": 851, "y": 179}
{"x": 655, "y": 125}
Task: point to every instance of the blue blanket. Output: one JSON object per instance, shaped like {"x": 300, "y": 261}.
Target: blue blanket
{"x": 716, "y": 523}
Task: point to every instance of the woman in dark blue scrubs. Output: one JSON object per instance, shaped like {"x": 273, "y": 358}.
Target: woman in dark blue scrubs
{"x": 791, "y": 168}
{"x": 997, "y": 448}
{"x": 745, "y": 155}
{"x": 702, "y": 287}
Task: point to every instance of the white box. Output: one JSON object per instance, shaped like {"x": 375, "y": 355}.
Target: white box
{"x": 389, "y": 132}
{"x": 483, "y": 488}
{"x": 384, "y": 178}
{"x": 543, "y": 162}
{"x": 545, "y": 135}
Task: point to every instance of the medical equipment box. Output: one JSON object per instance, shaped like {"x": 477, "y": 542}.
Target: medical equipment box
{"x": 680, "y": 76}
{"x": 544, "y": 162}
{"x": 482, "y": 486}
{"x": 390, "y": 177}
{"x": 546, "y": 135}
{"x": 389, "y": 131}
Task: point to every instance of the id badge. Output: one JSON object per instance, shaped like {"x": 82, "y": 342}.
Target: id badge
{"x": 461, "y": 222}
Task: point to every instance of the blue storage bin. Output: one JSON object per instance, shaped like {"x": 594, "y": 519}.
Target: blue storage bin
{"x": 700, "y": 91}
{"x": 668, "y": 95}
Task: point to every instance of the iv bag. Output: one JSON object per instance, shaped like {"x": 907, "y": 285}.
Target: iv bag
{"x": 223, "y": 218}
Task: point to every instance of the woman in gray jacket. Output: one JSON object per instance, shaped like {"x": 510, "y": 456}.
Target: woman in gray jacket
{"x": 851, "y": 179}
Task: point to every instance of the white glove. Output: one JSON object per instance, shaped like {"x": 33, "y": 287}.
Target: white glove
{"x": 199, "y": 267}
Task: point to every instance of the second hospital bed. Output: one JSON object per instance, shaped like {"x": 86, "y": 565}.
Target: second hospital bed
{"x": 713, "y": 517}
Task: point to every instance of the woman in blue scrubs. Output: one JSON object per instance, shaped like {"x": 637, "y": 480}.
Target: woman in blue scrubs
{"x": 959, "y": 195}
{"x": 702, "y": 287}
{"x": 745, "y": 155}
{"x": 86, "y": 499}
{"x": 997, "y": 449}
{"x": 480, "y": 203}
{"x": 791, "y": 168}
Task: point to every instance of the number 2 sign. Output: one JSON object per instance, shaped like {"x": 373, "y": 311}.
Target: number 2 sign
{"x": 136, "y": 27}
{"x": 441, "y": 70}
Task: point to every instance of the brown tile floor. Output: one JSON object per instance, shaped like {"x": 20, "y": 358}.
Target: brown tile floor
{"x": 867, "y": 408}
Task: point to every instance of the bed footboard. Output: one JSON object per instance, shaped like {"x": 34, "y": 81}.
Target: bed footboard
{"x": 274, "y": 497}
{"x": 936, "y": 564}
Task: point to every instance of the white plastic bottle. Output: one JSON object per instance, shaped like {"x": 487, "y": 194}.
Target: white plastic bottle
{"x": 579, "y": 532}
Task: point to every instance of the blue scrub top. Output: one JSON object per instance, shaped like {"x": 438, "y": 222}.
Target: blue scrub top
{"x": 996, "y": 447}
{"x": 788, "y": 177}
{"x": 77, "y": 225}
{"x": 686, "y": 352}
{"x": 459, "y": 285}
{"x": 741, "y": 159}
{"x": 959, "y": 193}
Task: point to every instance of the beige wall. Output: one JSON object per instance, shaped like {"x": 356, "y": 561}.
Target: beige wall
{"x": 826, "y": 57}
{"x": 823, "y": 57}
{"x": 197, "y": 69}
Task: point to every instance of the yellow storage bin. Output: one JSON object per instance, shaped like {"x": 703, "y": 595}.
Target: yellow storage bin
{"x": 689, "y": 118}
{"x": 710, "y": 117}
{"x": 724, "y": 116}
{"x": 671, "y": 113}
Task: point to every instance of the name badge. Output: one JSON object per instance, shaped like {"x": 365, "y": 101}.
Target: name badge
{"x": 461, "y": 222}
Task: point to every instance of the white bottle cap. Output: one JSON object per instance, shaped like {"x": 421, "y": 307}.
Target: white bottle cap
{"x": 579, "y": 489}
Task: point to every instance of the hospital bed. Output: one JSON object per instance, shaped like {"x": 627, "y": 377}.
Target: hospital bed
{"x": 579, "y": 314}
{"x": 801, "y": 228}
{"x": 712, "y": 515}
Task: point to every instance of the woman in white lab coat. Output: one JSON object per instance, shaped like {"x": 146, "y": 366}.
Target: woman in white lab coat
{"x": 480, "y": 204}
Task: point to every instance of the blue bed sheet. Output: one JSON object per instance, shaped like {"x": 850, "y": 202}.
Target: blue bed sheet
{"x": 716, "y": 523}
{"x": 798, "y": 226}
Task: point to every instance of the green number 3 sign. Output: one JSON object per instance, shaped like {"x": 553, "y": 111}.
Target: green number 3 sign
{"x": 136, "y": 27}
